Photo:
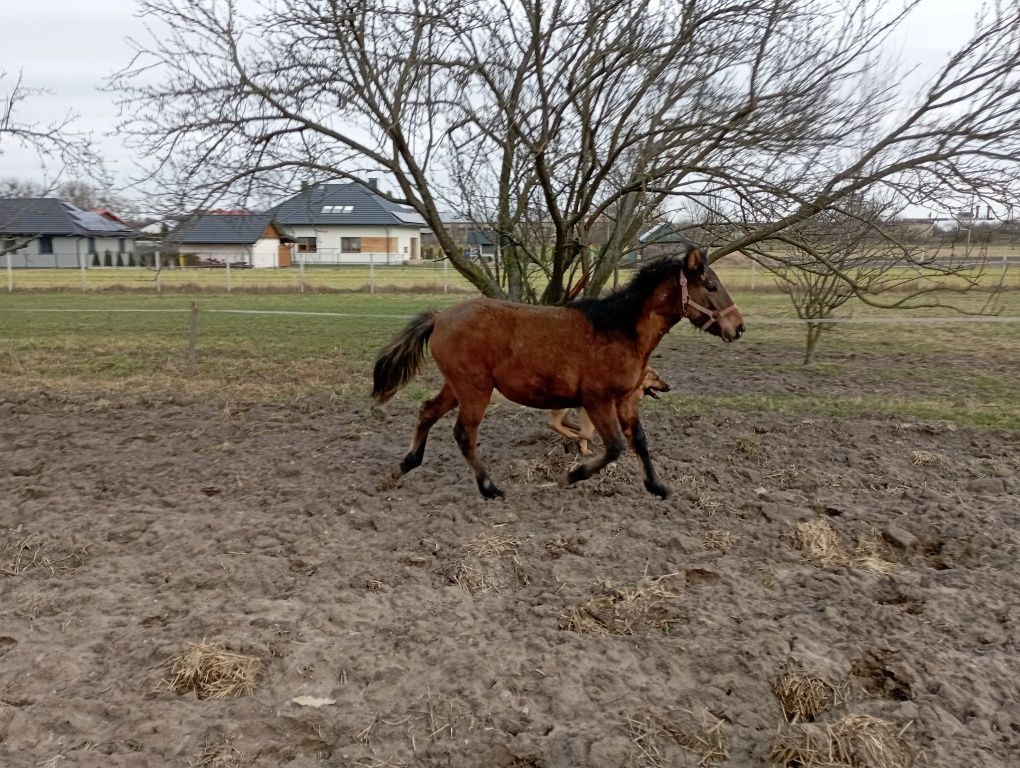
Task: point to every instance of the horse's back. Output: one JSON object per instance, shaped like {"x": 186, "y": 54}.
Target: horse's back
{"x": 534, "y": 355}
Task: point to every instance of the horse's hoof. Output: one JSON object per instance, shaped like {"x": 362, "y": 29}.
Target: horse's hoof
{"x": 489, "y": 489}
{"x": 410, "y": 462}
{"x": 658, "y": 489}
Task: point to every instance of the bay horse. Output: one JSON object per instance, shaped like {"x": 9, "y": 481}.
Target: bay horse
{"x": 651, "y": 385}
{"x": 591, "y": 353}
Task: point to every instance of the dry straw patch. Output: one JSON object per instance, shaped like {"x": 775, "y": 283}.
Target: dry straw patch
{"x": 926, "y": 458}
{"x": 819, "y": 544}
{"x": 35, "y": 552}
{"x": 855, "y": 741}
{"x": 751, "y": 449}
{"x": 872, "y": 555}
{"x": 702, "y": 734}
{"x": 804, "y": 697}
{"x": 213, "y": 672}
{"x": 492, "y": 563}
{"x": 621, "y": 610}
{"x": 220, "y": 756}
{"x": 719, "y": 540}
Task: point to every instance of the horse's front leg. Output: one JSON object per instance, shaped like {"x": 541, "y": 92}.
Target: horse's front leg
{"x": 635, "y": 433}
{"x": 603, "y": 416}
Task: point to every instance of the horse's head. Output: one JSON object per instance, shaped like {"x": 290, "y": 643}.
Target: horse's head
{"x": 704, "y": 300}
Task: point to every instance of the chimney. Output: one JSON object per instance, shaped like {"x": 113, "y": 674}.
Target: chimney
{"x": 989, "y": 212}
{"x": 374, "y": 184}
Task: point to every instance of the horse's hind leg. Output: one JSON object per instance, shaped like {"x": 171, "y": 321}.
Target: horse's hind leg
{"x": 635, "y": 434}
{"x": 472, "y": 411}
{"x": 604, "y": 417}
{"x": 431, "y": 411}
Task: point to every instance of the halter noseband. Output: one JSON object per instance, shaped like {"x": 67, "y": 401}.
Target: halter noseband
{"x": 686, "y": 301}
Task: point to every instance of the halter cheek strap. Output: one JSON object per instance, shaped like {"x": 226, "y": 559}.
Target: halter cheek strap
{"x": 687, "y": 301}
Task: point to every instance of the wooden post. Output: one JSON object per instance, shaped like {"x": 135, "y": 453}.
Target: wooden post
{"x": 10, "y": 274}
{"x": 371, "y": 272}
{"x": 301, "y": 281}
{"x": 446, "y": 275}
{"x": 159, "y": 270}
{"x": 754, "y": 264}
{"x": 81, "y": 261}
{"x": 228, "y": 273}
{"x": 192, "y": 339}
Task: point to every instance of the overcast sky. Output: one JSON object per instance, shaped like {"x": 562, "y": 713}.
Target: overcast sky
{"x": 69, "y": 47}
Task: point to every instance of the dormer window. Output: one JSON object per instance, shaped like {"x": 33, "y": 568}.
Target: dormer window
{"x": 337, "y": 208}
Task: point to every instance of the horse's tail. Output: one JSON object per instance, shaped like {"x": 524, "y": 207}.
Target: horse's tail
{"x": 402, "y": 358}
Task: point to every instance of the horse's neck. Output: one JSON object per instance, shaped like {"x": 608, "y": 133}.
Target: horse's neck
{"x": 651, "y": 330}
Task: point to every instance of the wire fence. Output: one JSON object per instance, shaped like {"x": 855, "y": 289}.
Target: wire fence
{"x": 436, "y": 276}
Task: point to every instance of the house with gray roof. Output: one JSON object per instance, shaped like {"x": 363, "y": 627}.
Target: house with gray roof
{"x": 242, "y": 239}
{"x": 47, "y": 232}
{"x": 350, "y": 223}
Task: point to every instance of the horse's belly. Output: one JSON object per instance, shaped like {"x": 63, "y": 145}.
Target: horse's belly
{"x": 539, "y": 399}
{"x": 538, "y": 391}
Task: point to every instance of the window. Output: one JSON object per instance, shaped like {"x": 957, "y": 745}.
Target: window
{"x": 8, "y": 244}
{"x": 46, "y": 244}
{"x": 120, "y": 245}
{"x": 350, "y": 244}
{"x": 306, "y": 245}
{"x": 90, "y": 245}
{"x": 337, "y": 208}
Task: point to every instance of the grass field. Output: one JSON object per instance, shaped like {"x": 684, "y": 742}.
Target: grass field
{"x": 969, "y": 371}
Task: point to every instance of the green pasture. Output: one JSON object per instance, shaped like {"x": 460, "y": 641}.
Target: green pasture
{"x": 968, "y": 373}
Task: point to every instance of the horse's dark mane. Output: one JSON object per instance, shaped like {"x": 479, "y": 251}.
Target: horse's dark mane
{"x": 621, "y": 310}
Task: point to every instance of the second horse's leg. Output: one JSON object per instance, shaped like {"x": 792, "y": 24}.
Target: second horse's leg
{"x": 556, "y": 424}
{"x": 472, "y": 411}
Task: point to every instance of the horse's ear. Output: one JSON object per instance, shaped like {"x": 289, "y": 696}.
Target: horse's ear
{"x": 694, "y": 261}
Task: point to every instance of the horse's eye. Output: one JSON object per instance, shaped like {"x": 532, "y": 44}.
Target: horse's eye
{"x": 711, "y": 285}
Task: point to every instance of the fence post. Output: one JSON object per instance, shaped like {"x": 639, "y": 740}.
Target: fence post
{"x": 301, "y": 281}
{"x": 192, "y": 338}
{"x": 81, "y": 261}
{"x": 446, "y": 275}
{"x": 159, "y": 270}
{"x": 371, "y": 272}
{"x": 10, "y": 274}
{"x": 228, "y": 273}
{"x": 754, "y": 265}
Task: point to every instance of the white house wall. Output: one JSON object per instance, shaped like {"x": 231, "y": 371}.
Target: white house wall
{"x": 328, "y": 244}
{"x": 266, "y": 253}
{"x": 67, "y": 252}
{"x": 217, "y": 251}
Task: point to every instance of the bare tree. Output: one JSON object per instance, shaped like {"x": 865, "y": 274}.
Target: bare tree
{"x": 824, "y": 261}
{"x": 543, "y": 121}
{"x": 58, "y": 146}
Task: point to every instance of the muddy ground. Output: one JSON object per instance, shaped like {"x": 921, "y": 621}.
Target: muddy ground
{"x": 595, "y": 626}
